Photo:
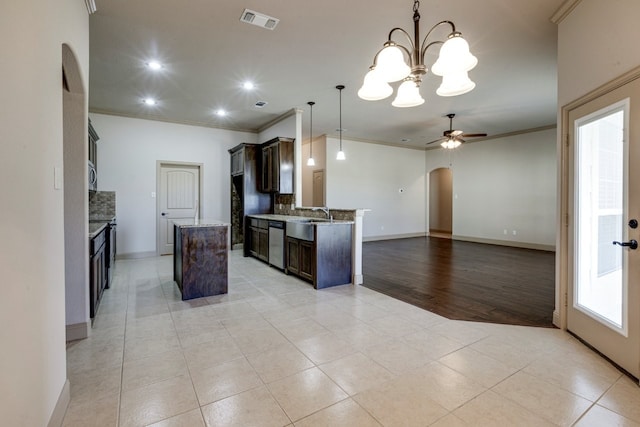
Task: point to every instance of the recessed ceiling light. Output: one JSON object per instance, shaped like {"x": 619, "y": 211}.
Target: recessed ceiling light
{"x": 248, "y": 85}
{"x": 149, "y": 101}
{"x": 260, "y": 104}
{"x": 154, "y": 65}
{"x": 221, "y": 113}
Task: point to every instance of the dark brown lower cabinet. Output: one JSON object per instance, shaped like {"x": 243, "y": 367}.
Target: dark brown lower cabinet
{"x": 325, "y": 261}
{"x": 258, "y": 233}
{"x": 307, "y": 261}
{"x": 97, "y": 271}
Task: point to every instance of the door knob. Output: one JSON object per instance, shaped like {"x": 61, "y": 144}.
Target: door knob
{"x": 632, "y": 244}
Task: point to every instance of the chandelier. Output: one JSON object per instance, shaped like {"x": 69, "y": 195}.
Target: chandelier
{"x": 389, "y": 65}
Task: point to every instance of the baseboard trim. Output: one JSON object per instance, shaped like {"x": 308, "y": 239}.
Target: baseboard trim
{"x": 524, "y": 245}
{"x": 78, "y": 331}
{"x": 393, "y": 236}
{"x": 137, "y": 255}
{"x": 57, "y": 417}
{"x": 358, "y": 279}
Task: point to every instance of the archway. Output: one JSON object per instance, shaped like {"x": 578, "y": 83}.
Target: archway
{"x": 76, "y": 249}
{"x": 441, "y": 203}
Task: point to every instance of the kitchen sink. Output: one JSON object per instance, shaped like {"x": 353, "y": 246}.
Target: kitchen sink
{"x": 303, "y": 229}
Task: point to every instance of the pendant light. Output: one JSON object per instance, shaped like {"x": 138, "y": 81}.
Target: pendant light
{"x": 311, "y": 162}
{"x": 340, "y": 155}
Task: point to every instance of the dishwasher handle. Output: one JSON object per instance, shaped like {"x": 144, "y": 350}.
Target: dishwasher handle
{"x": 276, "y": 224}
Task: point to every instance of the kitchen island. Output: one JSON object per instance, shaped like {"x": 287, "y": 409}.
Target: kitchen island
{"x": 200, "y": 257}
{"x": 315, "y": 249}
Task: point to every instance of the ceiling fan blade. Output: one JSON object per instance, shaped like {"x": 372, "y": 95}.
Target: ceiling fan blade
{"x": 473, "y": 135}
{"x": 456, "y": 133}
{"x": 437, "y": 140}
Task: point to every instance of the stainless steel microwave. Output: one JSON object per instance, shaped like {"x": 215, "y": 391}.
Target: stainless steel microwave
{"x": 93, "y": 177}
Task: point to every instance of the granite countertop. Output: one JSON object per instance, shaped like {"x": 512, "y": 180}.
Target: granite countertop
{"x": 202, "y": 222}
{"x": 285, "y": 218}
{"x": 102, "y": 218}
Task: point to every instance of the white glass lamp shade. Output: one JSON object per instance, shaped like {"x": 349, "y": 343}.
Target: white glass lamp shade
{"x": 341, "y": 155}
{"x": 454, "y": 84}
{"x": 408, "y": 95}
{"x": 450, "y": 144}
{"x": 374, "y": 87}
{"x": 311, "y": 162}
{"x": 391, "y": 65}
{"x": 454, "y": 57}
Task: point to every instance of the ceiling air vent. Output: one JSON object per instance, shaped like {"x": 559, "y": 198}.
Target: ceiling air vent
{"x": 260, "y": 104}
{"x": 259, "y": 19}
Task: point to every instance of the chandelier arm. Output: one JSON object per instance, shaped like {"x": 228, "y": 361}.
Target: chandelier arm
{"x": 411, "y": 42}
{"x": 424, "y": 47}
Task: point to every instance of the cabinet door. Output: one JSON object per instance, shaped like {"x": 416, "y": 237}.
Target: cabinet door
{"x": 263, "y": 244}
{"x": 94, "y": 283}
{"x": 237, "y": 162}
{"x": 307, "y": 260}
{"x": 267, "y": 165}
{"x": 293, "y": 256}
{"x": 254, "y": 239}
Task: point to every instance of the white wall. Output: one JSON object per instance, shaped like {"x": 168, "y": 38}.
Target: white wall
{"x": 32, "y": 306}
{"x": 128, "y": 152}
{"x": 507, "y": 183}
{"x": 371, "y": 177}
{"x": 596, "y": 43}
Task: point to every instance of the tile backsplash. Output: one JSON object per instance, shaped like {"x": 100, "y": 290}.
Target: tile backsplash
{"x": 102, "y": 204}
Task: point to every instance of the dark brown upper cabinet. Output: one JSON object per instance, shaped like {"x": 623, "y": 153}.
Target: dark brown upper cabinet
{"x": 277, "y": 166}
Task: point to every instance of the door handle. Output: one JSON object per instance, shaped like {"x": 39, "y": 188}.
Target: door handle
{"x": 164, "y": 214}
{"x": 632, "y": 244}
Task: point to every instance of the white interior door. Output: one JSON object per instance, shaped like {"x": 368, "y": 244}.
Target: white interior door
{"x": 179, "y": 195}
{"x": 603, "y": 300}
{"x": 318, "y": 188}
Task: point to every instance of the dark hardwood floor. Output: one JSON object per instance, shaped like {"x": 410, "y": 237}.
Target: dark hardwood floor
{"x": 464, "y": 280}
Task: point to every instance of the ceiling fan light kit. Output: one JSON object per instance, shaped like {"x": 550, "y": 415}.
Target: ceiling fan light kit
{"x": 389, "y": 65}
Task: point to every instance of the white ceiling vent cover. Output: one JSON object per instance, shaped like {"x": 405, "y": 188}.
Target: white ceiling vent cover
{"x": 259, "y": 19}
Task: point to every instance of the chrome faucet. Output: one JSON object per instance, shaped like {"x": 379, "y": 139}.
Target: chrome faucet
{"x": 325, "y": 210}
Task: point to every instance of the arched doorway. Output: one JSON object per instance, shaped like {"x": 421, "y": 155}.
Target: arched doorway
{"x": 76, "y": 249}
{"x": 441, "y": 203}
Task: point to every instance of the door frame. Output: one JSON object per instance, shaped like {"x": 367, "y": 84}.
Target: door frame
{"x": 564, "y": 273}
{"x": 159, "y": 165}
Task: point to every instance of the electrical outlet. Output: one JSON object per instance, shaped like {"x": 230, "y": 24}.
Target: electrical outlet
{"x": 153, "y": 194}
{"x": 514, "y": 232}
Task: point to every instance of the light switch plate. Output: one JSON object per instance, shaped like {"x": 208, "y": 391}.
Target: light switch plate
{"x": 153, "y": 194}
{"x": 57, "y": 178}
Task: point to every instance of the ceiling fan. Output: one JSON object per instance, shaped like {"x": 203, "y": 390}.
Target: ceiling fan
{"x": 453, "y": 138}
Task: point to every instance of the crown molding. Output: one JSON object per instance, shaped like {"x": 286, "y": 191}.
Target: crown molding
{"x": 564, "y": 10}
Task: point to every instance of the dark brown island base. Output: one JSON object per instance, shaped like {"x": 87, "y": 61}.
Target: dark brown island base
{"x": 200, "y": 257}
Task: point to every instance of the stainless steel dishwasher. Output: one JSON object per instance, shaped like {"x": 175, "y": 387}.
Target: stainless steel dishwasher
{"x": 276, "y": 244}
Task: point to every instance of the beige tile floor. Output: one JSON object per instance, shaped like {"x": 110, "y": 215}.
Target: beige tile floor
{"x": 275, "y": 352}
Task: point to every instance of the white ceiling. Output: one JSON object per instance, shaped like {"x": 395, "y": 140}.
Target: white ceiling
{"x": 208, "y": 53}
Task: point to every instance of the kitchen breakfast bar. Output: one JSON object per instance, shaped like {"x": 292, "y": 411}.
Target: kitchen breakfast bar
{"x": 200, "y": 257}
